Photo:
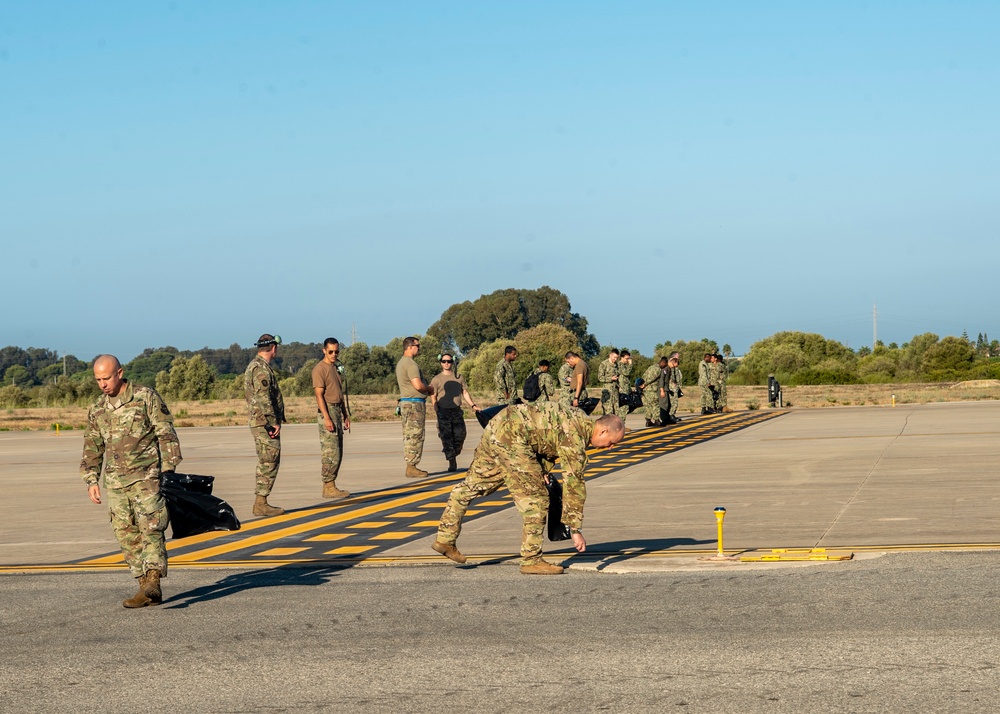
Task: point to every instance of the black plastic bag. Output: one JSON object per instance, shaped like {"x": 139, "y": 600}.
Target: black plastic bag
{"x": 557, "y": 529}
{"x": 484, "y": 415}
{"x": 632, "y": 400}
{"x": 192, "y": 507}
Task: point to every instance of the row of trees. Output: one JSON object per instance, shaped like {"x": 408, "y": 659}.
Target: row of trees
{"x": 539, "y": 322}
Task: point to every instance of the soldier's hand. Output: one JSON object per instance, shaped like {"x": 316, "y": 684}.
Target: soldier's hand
{"x": 579, "y": 542}
{"x": 347, "y": 423}
{"x": 330, "y": 426}
{"x": 95, "y": 493}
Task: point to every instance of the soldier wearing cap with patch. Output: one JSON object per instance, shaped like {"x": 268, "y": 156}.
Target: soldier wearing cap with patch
{"x": 267, "y": 413}
{"x": 130, "y": 436}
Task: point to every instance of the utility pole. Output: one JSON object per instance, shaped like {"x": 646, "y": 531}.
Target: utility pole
{"x": 354, "y": 334}
{"x": 874, "y": 326}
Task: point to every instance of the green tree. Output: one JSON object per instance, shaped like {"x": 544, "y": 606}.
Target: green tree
{"x": 948, "y": 359}
{"x": 188, "y": 380}
{"x": 812, "y": 356}
{"x": 18, "y": 375}
{"x": 144, "y": 368}
{"x": 13, "y": 397}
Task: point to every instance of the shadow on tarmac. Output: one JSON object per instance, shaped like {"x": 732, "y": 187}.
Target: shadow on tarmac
{"x": 623, "y": 550}
{"x": 266, "y": 578}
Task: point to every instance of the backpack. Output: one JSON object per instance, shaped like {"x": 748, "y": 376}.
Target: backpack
{"x": 531, "y": 389}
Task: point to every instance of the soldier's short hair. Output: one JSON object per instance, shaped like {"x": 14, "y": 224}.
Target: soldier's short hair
{"x": 544, "y": 363}
{"x": 626, "y": 353}
{"x": 664, "y": 360}
{"x": 509, "y": 349}
{"x": 331, "y": 341}
{"x": 410, "y": 341}
{"x": 571, "y": 353}
{"x": 674, "y": 355}
{"x": 613, "y": 352}
{"x": 266, "y": 340}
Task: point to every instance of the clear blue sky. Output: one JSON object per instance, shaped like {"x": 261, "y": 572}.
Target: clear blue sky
{"x": 194, "y": 174}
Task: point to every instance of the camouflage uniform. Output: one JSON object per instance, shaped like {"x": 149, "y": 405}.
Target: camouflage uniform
{"x": 624, "y": 385}
{"x": 331, "y": 443}
{"x": 705, "y": 383}
{"x": 548, "y": 391}
{"x": 132, "y": 436}
{"x": 413, "y": 410}
{"x": 722, "y": 376}
{"x": 651, "y": 392}
{"x": 267, "y": 410}
{"x": 505, "y": 382}
{"x": 607, "y": 375}
{"x": 519, "y": 445}
{"x": 565, "y": 385}
{"x": 674, "y": 381}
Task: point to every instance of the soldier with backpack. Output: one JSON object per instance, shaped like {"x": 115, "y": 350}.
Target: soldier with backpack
{"x": 540, "y": 385}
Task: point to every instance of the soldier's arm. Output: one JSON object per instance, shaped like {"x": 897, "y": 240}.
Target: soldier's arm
{"x": 573, "y": 460}
{"x": 166, "y": 436}
{"x": 93, "y": 453}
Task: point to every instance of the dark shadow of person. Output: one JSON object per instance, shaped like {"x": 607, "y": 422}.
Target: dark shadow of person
{"x": 268, "y": 578}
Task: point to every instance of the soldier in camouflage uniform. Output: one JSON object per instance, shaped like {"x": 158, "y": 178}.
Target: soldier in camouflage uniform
{"x": 518, "y": 448}
{"x": 566, "y": 384}
{"x": 267, "y": 414}
{"x": 130, "y": 433}
{"x": 413, "y": 393}
{"x": 651, "y": 391}
{"x": 706, "y": 381}
{"x": 504, "y": 379}
{"x": 332, "y": 416}
{"x": 607, "y": 376}
{"x": 546, "y": 384}
{"x": 624, "y": 385}
{"x": 674, "y": 380}
{"x": 721, "y": 377}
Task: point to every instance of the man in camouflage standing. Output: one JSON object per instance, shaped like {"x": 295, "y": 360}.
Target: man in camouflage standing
{"x": 267, "y": 413}
{"x": 706, "y": 382}
{"x": 504, "y": 379}
{"x": 721, "y": 378}
{"x": 674, "y": 380}
{"x": 448, "y": 392}
{"x": 651, "y": 379}
{"x": 565, "y": 383}
{"x": 130, "y": 433}
{"x": 607, "y": 376}
{"x": 413, "y": 393}
{"x": 519, "y": 448}
{"x": 548, "y": 391}
{"x": 624, "y": 385}
{"x": 332, "y": 416}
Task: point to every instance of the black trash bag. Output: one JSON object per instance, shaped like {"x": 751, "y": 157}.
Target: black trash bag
{"x": 484, "y": 415}
{"x": 588, "y": 404}
{"x": 192, "y": 507}
{"x": 632, "y": 400}
{"x": 557, "y": 529}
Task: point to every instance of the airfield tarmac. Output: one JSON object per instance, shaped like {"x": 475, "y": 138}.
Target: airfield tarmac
{"x": 281, "y": 618}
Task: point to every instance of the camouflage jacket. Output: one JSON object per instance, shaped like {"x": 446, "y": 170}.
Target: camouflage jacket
{"x": 721, "y": 373}
{"x": 505, "y": 381}
{"x": 675, "y": 379}
{"x": 547, "y": 384}
{"x": 624, "y": 370}
{"x": 133, "y": 441}
{"x": 651, "y": 377}
{"x": 264, "y": 401}
{"x": 551, "y": 432}
{"x": 607, "y": 374}
{"x": 565, "y": 375}
{"x": 704, "y": 373}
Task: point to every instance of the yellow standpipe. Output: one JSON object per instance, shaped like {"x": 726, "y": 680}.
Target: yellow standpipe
{"x": 720, "y": 514}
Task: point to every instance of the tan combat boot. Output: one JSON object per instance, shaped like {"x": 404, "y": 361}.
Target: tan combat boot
{"x": 152, "y": 587}
{"x": 262, "y": 508}
{"x": 413, "y": 472}
{"x": 330, "y": 490}
{"x": 140, "y": 599}
{"x": 541, "y": 567}
{"x": 448, "y": 550}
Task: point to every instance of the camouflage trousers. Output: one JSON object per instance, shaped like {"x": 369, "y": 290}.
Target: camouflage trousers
{"x": 651, "y": 403}
{"x": 493, "y": 466}
{"x": 707, "y": 399}
{"x": 268, "y": 459}
{"x": 139, "y": 518}
{"x": 566, "y": 397}
{"x": 452, "y": 431}
{"x": 609, "y": 400}
{"x": 331, "y": 443}
{"x": 414, "y": 415}
{"x": 675, "y": 395}
{"x": 623, "y": 408}
{"x": 723, "y": 400}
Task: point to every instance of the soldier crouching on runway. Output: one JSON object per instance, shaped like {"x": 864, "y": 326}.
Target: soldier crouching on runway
{"x": 514, "y": 445}
{"x": 130, "y": 433}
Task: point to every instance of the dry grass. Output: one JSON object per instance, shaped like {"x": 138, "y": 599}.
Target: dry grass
{"x": 232, "y": 412}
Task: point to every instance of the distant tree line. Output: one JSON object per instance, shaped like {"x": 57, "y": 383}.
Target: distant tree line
{"x": 540, "y": 323}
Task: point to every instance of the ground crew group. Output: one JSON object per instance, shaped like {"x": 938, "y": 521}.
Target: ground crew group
{"x": 130, "y": 438}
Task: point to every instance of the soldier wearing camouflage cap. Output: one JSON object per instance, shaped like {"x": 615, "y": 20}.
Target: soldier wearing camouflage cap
{"x": 130, "y": 434}
{"x": 267, "y": 414}
{"x": 519, "y": 447}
